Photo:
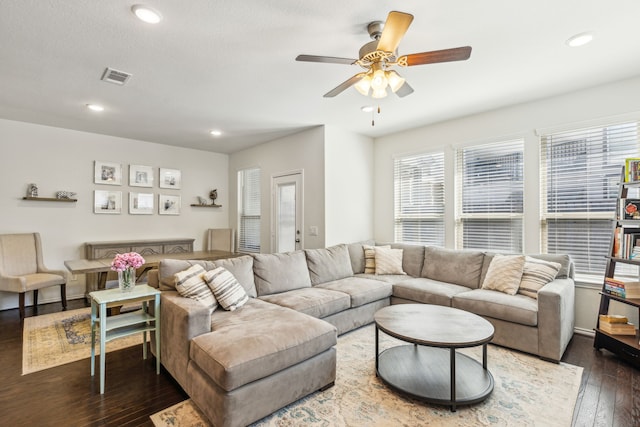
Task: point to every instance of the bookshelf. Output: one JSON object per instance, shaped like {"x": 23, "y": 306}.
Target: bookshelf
{"x": 627, "y": 347}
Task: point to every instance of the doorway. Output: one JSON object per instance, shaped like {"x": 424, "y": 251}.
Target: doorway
{"x": 286, "y": 230}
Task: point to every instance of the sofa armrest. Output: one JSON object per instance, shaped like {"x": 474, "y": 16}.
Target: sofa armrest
{"x": 181, "y": 320}
{"x": 153, "y": 278}
{"x": 556, "y": 318}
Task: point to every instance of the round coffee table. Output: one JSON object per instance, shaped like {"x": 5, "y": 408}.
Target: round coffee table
{"x": 429, "y": 368}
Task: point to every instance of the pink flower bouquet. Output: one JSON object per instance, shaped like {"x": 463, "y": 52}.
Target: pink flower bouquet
{"x": 122, "y": 262}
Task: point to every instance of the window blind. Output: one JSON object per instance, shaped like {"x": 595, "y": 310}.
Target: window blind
{"x": 580, "y": 172}
{"x": 419, "y": 199}
{"x": 249, "y": 210}
{"x": 490, "y": 192}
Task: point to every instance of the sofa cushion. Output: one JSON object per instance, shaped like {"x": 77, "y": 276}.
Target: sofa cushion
{"x": 167, "y": 268}
{"x": 370, "y": 258}
{"x": 356, "y": 255}
{"x": 280, "y": 272}
{"x": 427, "y": 291}
{"x": 316, "y": 302}
{"x": 361, "y": 291}
{"x": 412, "y": 258}
{"x": 388, "y": 261}
{"x": 328, "y": 264}
{"x": 460, "y": 267}
{"x": 229, "y": 293}
{"x": 504, "y": 273}
{"x": 511, "y": 308}
{"x": 256, "y": 341}
{"x": 536, "y": 274}
{"x": 242, "y": 269}
{"x": 388, "y": 278}
{"x": 190, "y": 283}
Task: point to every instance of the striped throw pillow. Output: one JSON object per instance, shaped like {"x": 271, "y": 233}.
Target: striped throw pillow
{"x": 388, "y": 261}
{"x": 190, "y": 284}
{"x": 537, "y": 273}
{"x": 229, "y": 293}
{"x": 370, "y": 258}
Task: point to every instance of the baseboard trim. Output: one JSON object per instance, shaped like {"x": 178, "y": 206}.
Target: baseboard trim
{"x": 583, "y": 331}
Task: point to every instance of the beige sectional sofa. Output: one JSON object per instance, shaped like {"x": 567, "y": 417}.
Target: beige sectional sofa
{"x": 239, "y": 366}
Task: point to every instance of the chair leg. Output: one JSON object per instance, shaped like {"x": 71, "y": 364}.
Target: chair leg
{"x": 21, "y": 304}
{"x": 63, "y": 296}
{"x": 35, "y": 301}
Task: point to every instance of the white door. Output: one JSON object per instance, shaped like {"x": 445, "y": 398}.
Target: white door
{"x": 286, "y": 231}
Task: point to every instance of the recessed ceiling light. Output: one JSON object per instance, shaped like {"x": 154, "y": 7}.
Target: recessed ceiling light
{"x": 580, "y": 39}
{"x": 216, "y": 132}
{"x": 95, "y": 107}
{"x": 367, "y": 109}
{"x": 146, "y": 14}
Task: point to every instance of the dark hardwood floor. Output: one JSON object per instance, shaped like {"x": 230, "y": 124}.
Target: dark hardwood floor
{"x": 68, "y": 396}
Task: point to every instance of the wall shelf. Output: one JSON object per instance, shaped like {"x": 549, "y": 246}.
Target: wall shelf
{"x": 49, "y": 199}
{"x": 205, "y": 206}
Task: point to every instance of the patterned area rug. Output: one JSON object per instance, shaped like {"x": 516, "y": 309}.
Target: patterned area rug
{"x": 59, "y": 338}
{"x": 528, "y": 392}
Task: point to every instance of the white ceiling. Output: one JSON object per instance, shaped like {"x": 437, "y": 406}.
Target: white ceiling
{"x": 230, "y": 65}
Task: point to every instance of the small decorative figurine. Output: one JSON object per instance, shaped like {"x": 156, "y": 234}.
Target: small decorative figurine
{"x": 32, "y": 190}
{"x": 213, "y": 195}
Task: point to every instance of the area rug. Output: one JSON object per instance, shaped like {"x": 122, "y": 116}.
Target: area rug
{"x": 64, "y": 337}
{"x": 528, "y": 392}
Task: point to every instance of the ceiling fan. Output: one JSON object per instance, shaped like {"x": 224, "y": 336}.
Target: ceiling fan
{"x": 380, "y": 55}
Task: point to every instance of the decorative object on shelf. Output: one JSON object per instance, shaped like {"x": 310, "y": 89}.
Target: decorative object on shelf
{"x": 107, "y": 202}
{"x": 632, "y": 170}
{"x": 32, "y": 190}
{"x": 170, "y": 178}
{"x": 168, "y": 205}
{"x": 107, "y": 173}
{"x": 141, "y": 203}
{"x": 213, "y": 195}
{"x": 126, "y": 264}
{"x": 65, "y": 194}
{"x": 140, "y": 176}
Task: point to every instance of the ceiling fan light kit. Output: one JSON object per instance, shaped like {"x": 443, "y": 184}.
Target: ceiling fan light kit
{"x": 380, "y": 55}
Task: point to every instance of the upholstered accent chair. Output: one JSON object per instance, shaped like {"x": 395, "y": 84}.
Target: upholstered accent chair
{"x": 222, "y": 239}
{"x": 22, "y": 269}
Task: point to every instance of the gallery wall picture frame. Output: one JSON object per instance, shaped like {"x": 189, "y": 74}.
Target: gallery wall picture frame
{"x": 168, "y": 204}
{"x": 170, "y": 178}
{"x": 141, "y": 203}
{"x": 107, "y": 173}
{"x": 140, "y": 176}
{"x": 107, "y": 202}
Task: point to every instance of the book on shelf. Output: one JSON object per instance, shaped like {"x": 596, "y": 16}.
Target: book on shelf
{"x": 626, "y": 243}
{"x": 618, "y": 328}
{"x": 629, "y": 209}
{"x": 621, "y": 289}
{"x": 614, "y": 318}
{"x": 632, "y": 169}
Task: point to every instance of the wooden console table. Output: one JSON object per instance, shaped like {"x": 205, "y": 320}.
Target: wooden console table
{"x": 106, "y": 250}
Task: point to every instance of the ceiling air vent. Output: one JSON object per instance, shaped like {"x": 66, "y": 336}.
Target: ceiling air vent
{"x": 114, "y": 76}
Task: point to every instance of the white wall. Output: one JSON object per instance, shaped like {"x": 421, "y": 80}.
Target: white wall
{"x": 304, "y": 152}
{"x": 60, "y": 159}
{"x": 598, "y": 105}
{"x": 348, "y": 186}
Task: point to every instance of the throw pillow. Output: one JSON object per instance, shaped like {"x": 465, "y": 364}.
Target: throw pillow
{"x": 537, "y": 273}
{"x": 504, "y": 273}
{"x": 388, "y": 261}
{"x": 229, "y": 293}
{"x": 370, "y": 258}
{"x": 190, "y": 284}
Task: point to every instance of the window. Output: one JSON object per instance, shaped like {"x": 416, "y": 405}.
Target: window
{"x": 580, "y": 171}
{"x": 419, "y": 199}
{"x": 489, "y": 191}
{"x": 249, "y": 210}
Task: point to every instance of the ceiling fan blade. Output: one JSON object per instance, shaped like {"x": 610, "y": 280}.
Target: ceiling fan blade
{"x": 325, "y": 59}
{"x": 404, "y": 90}
{"x": 394, "y": 29}
{"x": 345, "y": 85}
{"x": 445, "y": 55}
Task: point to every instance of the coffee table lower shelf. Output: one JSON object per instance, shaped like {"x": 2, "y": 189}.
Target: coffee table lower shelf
{"x": 425, "y": 373}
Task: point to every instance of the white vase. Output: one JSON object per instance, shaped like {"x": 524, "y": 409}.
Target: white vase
{"x": 127, "y": 279}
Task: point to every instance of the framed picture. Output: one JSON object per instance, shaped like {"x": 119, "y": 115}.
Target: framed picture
{"x": 168, "y": 205}
{"x": 170, "y": 178}
{"x": 141, "y": 203}
{"x": 107, "y": 202}
{"x": 107, "y": 173}
{"x": 140, "y": 176}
